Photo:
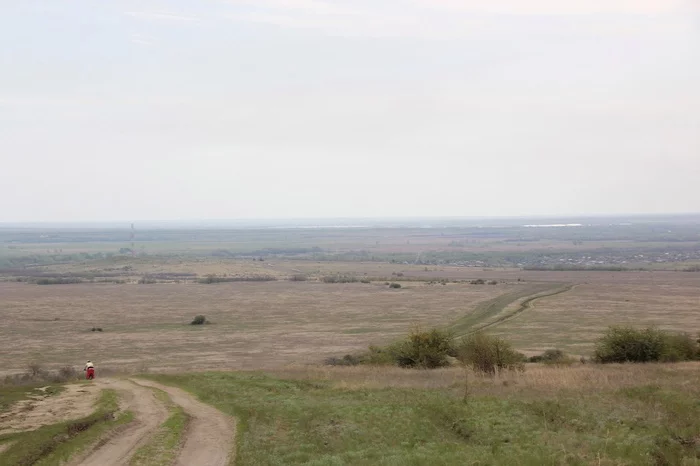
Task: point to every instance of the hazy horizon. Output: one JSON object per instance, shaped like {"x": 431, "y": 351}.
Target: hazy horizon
{"x": 322, "y": 109}
{"x": 359, "y": 222}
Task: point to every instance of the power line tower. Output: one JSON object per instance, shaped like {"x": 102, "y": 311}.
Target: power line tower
{"x": 131, "y": 238}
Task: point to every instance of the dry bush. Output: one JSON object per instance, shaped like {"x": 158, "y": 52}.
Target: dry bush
{"x": 338, "y": 278}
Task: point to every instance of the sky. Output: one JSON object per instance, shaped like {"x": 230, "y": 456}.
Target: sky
{"x": 205, "y": 109}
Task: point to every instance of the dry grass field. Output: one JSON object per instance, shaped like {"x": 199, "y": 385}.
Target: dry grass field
{"x": 537, "y": 379}
{"x": 571, "y": 321}
{"x": 255, "y": 325}
{"x": 271, "y": 324}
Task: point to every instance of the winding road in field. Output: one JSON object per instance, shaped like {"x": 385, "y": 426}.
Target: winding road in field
{"x": 494, "y": 312}
{"x": 525, "y": 305}
{"x": 208, "y": 439}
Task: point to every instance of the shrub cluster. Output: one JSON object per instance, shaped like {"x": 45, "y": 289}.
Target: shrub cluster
{"x": 425, "y": 349}
{"x": 58, "y": 281}
{"x": 627, "y": 344}
{"x": 338, "y": 278}
{"x": 210, "y": 279}
{"x": 488, "y": 354}
{"x": 199, "y": 320}
{"x": 36, "y": 373}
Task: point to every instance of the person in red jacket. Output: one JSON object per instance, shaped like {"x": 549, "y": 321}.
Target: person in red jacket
{"x": 89, "y": 370}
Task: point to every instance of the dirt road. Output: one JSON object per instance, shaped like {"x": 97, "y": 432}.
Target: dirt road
{"x": 148, "y": 412}
{"x": 208, "y": 440}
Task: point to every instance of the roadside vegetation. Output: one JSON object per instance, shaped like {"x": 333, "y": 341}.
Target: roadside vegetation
{"x": 55, "y": 444}
{"x": 36, "y": 375}
{"x": 589, "y": 414}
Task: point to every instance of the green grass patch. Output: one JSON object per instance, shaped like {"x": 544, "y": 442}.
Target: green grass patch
{"x": 162, "y": 449}
{"x": 284, "y": 422}
{"x": 55, "y": 444}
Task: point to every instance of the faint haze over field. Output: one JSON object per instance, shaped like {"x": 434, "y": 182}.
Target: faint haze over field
{"x": 319, "y": 108}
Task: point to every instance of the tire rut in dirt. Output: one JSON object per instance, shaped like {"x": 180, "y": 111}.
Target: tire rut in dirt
{"x": 210, "y": 435}
{"x": 149, "y": 413}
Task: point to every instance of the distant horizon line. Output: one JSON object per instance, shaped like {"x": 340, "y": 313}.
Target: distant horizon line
{"x": 327, "y": 221}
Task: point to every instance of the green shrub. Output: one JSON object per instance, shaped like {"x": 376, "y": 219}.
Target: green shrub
{"x": 627, "y": 344}
{"x": 426, "y": 349}
{"x": 680, "y": 347}
{"x": 395, "y": 285}
{"x": 488, "y": 354}
{"x": 300, "y": 277}
{"x": 478, "y": 281}
{"x": 199, "y": 320}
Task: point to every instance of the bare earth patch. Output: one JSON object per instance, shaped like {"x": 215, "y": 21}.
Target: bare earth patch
{"x": 75, "y": 402}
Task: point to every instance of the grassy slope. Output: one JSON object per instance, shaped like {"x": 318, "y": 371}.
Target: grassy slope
{"x": 54, "y": 444}
{"x": 162, "y": 449}
{"x": 324, "y": 423}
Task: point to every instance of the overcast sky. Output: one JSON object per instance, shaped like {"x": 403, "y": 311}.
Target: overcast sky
{"x": 205, "y": 109}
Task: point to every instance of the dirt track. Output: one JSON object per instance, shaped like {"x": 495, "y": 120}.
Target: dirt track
{"x": 210, "y": 435}
{"x": 208, "y": 441}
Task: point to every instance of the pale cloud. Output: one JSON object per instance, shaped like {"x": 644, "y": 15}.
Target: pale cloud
{"x": 549, "y": 7}
{"x": 142, "y": 40}
{"x": 162, "y": 16}
{"x": 356, "y": 25}
{"x": 329, "y": 108}
{"x": 450, "y": 19}
{"x": 310, "y": 6}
